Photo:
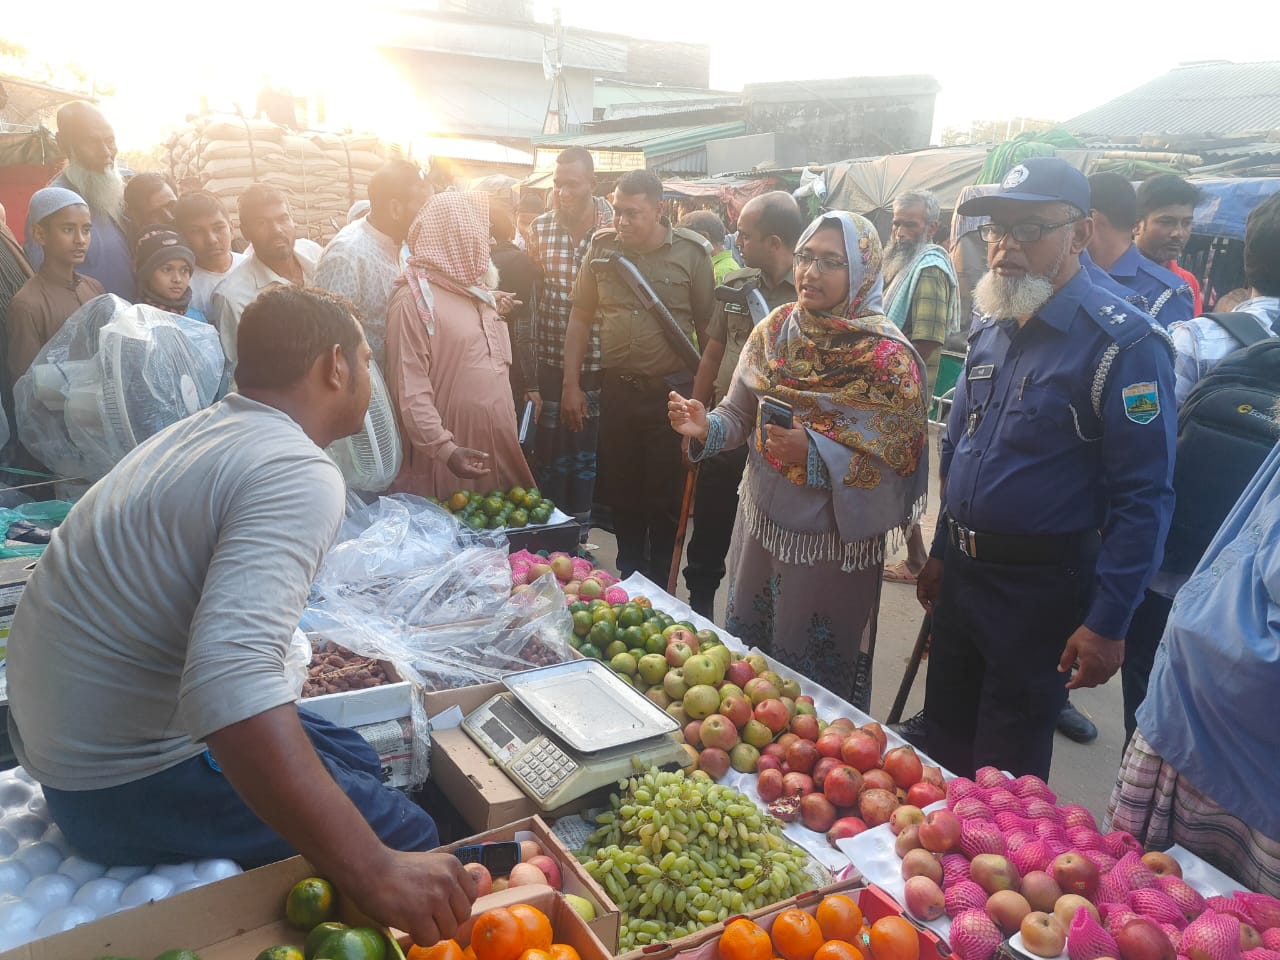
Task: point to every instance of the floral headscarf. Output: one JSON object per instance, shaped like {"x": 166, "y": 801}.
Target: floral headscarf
{"x": 854, "y": 381}
{"x": 448, "y": 247}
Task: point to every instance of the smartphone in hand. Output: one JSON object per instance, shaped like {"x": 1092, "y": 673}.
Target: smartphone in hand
{"x": 777, "y": 412}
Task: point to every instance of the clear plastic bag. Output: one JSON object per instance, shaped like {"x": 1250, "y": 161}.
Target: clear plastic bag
{"x": 296, "y": 661}
{"x": 111, "y": 377}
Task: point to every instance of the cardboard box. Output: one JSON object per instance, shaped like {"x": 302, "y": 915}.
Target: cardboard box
{"x": 479, "y": 789}
{"x": 574, "y": 878}
{"x": 14, "y": 574}
{"x": 237, "y": 918}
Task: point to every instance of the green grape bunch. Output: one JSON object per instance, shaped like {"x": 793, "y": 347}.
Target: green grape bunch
{"x": 678, "y": 853}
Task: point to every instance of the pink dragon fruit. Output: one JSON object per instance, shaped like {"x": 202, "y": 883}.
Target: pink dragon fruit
{"x": 1074, "y": 815}
{"x": 1265, "y": 910}
{"x": 1118, "y": 843}
{"x": 974, "y": 935}
{"x": 991, "y": 778}
{"x": 1087, "y": 940}
{"x": 1184, "y": 895}
{"x": 614, "y": 595}
{"x": 1112, "y": 888}
{"x": 1032, "y": 856}
{"x": 955, "y": 869}
{"x": 1115, "y": 916}
{"x": 1159, "y": 906}
{"x": 1231, "y": 907}
{"x": 958, "y": 789}
{"x": 1212, "y": 936}
{"x": 979, "y": 836}
{"x": 1136, "y": 874}
{"x": 965, "y": 895}
{"x": 971, "y": 808}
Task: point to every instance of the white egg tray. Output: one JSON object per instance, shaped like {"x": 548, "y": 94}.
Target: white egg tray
{"x": 45, "y": 888}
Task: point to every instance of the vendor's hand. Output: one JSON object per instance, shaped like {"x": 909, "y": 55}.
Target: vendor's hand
{"x": 573, "y": 408}
{"x": 506, "y": 302}
{"x": 427, "y": 895}
{"x": 534, "y": 397}
{"x": 929, "y": 583}
{"x": 688, "y": 417}
{"x": 790, "y": 447}
{"x": 468, "y": 464}
{"x": 1095, "y": 657}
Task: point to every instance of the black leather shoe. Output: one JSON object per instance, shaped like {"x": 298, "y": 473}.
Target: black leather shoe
{"x": 1074, "y": 725}
{"x": 703, "y": 604}
{"x": 912, "y": 730}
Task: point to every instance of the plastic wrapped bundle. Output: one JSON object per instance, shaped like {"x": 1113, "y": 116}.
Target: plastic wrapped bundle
{"x": 113, "y": 376}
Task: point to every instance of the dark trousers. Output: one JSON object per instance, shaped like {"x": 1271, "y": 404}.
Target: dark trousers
{"x": 993, "y": 691}
{"x": 1140, "y": 645}
{"x": 715, "y": 506}
{"x": 191, "y": 812}
{"x": 641, "y": 473}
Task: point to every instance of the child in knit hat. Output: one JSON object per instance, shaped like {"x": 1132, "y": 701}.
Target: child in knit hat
{"x": 163, "y": 272}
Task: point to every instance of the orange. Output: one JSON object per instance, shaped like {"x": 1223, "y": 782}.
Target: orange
{"x": 840, "y": 918}
{"x": 562, "y": 951}
{"x": 744, "y": 940}
{"x": 838, "y": 950}
{"x": 893, "y": 938}
{"x": 497, "y": 935}
{"x": 444, "y": 950}
{"x": 468, "y": 953}
{"x": 533, "y": 954}
{"x": 796, "y": 935}
{"x": 537, "y": 928}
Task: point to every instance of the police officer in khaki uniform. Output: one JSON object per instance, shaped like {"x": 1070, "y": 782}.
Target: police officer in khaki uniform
{"x": 768, "y": 229}
{"x": 641, "y": 472}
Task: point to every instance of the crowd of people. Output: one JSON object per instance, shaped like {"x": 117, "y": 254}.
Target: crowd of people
{"x": 786, "y": 383}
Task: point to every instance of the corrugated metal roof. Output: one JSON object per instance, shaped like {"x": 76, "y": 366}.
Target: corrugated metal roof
{"x": 654, "y": 141}
{"x": 611, "y": 93}
{"x": 1200, "y": 98}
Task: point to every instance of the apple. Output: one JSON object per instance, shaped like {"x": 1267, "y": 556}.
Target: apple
{"x": 773, "y": 715}
{"x": 677, "y": 711}
{"x": 905, "y": 816}
{"x": 550, "y": 869}
{"x": 728, "y": 689}
{"x": 717, "y": 731}
{"x": 767, "y": 762}
{"x": 737, "y": 709}
{"x": 678, "y": 653}
{"x": 758, "y": 735}
{"x": 690, "y": 762}
{"x": 904, "y": 766}
{"x": 1067, "y": 905}
{"x": 714, "y": 761}
{"x": 861, "y": 751}
{"x": 674, "y": 684}
{"x": 1043, "y": 934}
{"x": 1008, "y": 908}
{"x": 525, "y": 874}
{"x": 907, "y": 840}
{"x": 790, "y": 687}
{"x": 787, "y": 739}
{"x": 796, "y": 784}
{"x": 700, "y": 668}
{"x": 739, "y": 673}
{"x": 805, "y": 726}
{"x": 581, "y": 906}
{"x": 1041, "y": 891}
{"x": 1075, "y": 874}
{"x": 758, "y": 663}
{"x": 923, "y": 899}
{"x": 693, "y": 734}
{"x": 842, "y": 784}
{"x": 845, "y": 827}
{"x": 652, "y": 667}
{"x": 744, "y": 758}
{"x": 1250, "y": 939}
{"x": 940, "y": 831}
{"x": 993, "y": 872}
{"x": 1161, "y": 864}
{"x": 1142, "y": 939}
{"x": 817, "y": 812}
{"x": 483, "y": 879}
{"x": 758, "y": 689}
{"x": 921, "y": 863}
{"x": 500, "y": 884}
{"x": 769, "y": 785}
{"x": 924, "y": 793}
{"x": 678, "y": 634}
{"x": 702, "y": 701}
{"x": 802, "y": 755}
{"x": 658, "y": 695}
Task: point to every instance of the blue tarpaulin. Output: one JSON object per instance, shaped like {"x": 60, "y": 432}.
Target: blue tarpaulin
{"x": 1228, "y": 202}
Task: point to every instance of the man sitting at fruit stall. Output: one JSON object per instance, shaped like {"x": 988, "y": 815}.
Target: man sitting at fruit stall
{"x": 1201, "y": 769}
{"x": 147, "y": 682}
{"x": 449, "y": 357}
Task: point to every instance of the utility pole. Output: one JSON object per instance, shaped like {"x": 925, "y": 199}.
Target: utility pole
{"x": 559, "y": 91}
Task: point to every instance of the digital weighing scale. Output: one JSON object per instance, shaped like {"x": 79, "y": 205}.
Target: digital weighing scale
{"x": 562, "y": 731}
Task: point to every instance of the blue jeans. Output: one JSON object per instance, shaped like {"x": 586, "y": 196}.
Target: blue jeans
{"x": 191, "y": 812}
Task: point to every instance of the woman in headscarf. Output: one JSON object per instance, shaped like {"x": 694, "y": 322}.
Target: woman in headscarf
{"x": 449, "y": 357}
{"x": 818, "y": 499}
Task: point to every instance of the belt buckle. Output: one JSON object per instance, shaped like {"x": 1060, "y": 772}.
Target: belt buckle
{"x": 965, "y": 541}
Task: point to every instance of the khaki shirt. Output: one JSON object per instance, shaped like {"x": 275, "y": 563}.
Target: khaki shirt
{"x": 631, "y": 339}
{"x": 731, "y": 324}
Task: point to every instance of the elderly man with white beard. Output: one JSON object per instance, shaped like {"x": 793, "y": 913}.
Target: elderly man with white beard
{"x": 1056, "y": 472}
{"x": 89, "y": 143}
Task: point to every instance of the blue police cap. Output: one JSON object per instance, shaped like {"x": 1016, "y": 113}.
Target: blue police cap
{"x": 1034, "y": 180}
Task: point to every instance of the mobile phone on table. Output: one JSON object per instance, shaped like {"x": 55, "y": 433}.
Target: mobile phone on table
{"x": 774, "y": 411}
{"x": 498, "y": 858}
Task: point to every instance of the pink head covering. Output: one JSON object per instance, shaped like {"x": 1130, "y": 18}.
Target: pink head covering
{"x": 448, "y": 247}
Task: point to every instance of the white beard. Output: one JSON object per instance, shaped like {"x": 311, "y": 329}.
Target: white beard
{"x": 103, "y": 190}
{"x": 898, "y": 255}
{"x": 1011, "y": 297}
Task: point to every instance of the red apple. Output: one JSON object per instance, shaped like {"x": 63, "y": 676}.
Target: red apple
{"x": 525, "y": 874}
{"x": 1007, "y": 908}
{"x": 737, "y": 709}
{"x": 923, "y": 899}
{"x": 773, "y": 715}
{"x": 714, "y": 761}
{"x": 924, "y": 793}
{"x": 1142, "y": 939}
{"x": 940, "y": 831}
{"x": 842, "y": 785}
{"x": 550, "y": 869}
{"x": 1161, "y": 864}
{"x": 861, "y": 751}
{"x": 905, "y": 816}
{"x": 693, "y": 733}
{"x": 904, "y": 766}
{"x": 921, "y": 863}
{"x": 1076, "y": 874}
{"x": 845, "y": 827}
{"x": 739, "y": 672}
{"x": 1043, "y": 935}
{"x": 678, "y": 652}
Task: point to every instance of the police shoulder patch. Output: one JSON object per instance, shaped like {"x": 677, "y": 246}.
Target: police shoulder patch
{"x": 1141, "y": 401}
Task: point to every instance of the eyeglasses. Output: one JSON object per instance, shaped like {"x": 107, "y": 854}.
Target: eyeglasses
{"x": 821, "y": 264}
{"x": 1028, "y": 231}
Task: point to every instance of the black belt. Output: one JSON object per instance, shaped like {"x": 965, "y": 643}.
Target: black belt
{"x": 1037, "y": 550}
{"x": 642, "y": 381}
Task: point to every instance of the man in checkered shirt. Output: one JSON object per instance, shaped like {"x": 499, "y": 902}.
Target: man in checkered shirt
{"x": 565, "y": 462}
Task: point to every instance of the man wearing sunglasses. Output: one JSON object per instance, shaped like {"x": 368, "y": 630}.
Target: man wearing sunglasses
{"x": 1057, "y": 482}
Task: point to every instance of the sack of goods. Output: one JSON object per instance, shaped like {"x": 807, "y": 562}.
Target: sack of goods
{"x": 113, "y": 376}
{"x": 322, "y": 174}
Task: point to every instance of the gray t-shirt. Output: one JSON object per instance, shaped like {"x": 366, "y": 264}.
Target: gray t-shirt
{"x": 163, "y": 608}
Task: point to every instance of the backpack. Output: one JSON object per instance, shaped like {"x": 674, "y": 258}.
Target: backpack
{"x": 1225, "y": 431}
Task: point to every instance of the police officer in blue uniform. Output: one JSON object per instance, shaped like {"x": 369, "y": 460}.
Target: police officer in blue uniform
{"x": 1057, "y": 473}
{"x": 1158, "y": 292}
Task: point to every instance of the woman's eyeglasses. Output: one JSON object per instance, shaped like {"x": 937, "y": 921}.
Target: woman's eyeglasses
{"x": 821, "y": 264}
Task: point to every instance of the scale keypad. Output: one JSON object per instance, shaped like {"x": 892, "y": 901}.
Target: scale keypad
{"x": 544, "y": 767}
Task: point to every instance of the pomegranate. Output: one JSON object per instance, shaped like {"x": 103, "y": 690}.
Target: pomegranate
{"x": 904, "y": 766}
{"x": 842, "y": 786}
{"x": 861, "y": 751}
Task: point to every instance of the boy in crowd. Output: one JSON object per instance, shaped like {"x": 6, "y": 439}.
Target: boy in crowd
{"x": 164, "y": 267}
{"x": 61, "y": 226}
{"x": 206, "y": 231}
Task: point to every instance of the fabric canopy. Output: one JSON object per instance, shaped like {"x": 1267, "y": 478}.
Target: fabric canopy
{"x": 868, "y": 186}
{"x": 1227, "y": 204}
{"x": 731, "y": 192}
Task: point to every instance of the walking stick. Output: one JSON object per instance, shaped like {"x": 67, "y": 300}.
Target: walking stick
{"x": 913, "y": 667}
{"x": 686, "y": 509}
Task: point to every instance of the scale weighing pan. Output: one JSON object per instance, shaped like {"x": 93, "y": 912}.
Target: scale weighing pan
{"x": 588, "y": 706}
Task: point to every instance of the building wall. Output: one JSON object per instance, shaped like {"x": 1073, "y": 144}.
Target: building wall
{"x": 833, "y": 130}
{"x": 668, "y": 62}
